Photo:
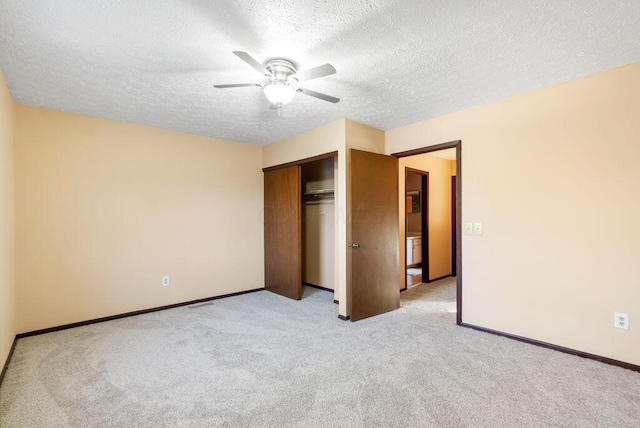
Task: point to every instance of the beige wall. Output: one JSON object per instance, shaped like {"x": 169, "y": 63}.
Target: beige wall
{"x": 553, "y": 175}
{"x": 7, "y": 276}
{"x": 324, "y": 139}
{"x": 105, "y": 209}
{"x": 363, "y": 137}
{"x": 439, "y": 212}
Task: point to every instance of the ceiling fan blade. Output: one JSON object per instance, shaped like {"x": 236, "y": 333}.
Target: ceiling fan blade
{"x": 314, "y": 73}
{"x": 319, "y": 95}
{"x": 236, "y": 85}
{"x": 252, "y": 62}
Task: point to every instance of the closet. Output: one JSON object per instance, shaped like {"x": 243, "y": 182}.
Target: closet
{"x": 318, "y": 223}
{"x": 299, "y": 226}
{"x": 300, "y": 220}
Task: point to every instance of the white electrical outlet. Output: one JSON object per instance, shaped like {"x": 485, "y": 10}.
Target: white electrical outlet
{"x": 621, "y": 321}
{"x": 165, "y": 281}
{"x": 468, "y": 228}
{"x": 477, "y": 228}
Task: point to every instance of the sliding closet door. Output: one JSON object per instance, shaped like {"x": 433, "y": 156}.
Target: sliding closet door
{"x": 282, "y": 232}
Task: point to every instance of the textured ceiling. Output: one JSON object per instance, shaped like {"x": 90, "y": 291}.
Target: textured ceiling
{"x": 155, "y": 62}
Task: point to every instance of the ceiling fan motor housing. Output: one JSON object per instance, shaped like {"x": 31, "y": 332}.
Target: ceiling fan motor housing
{"x": 282, "y": 70}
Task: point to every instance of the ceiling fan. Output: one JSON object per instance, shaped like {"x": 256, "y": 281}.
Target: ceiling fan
{"x": 283, "y": 80}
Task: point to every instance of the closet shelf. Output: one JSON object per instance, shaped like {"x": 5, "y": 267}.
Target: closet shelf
{"x": 319, "y": 193}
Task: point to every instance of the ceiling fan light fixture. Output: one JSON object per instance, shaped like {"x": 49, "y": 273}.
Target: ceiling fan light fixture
{"x": 283, "y": 81}
{"x": 279, "y": 93}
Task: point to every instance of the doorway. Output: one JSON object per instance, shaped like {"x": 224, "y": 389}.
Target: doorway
{"x": 443, "y": 189}
{"x": 416, "y": 191}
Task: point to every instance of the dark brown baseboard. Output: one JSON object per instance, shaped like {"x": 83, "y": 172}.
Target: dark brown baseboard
{"x": 570, "y": 351}
{"x": 439, "y": 278}
{"x": 6, "y": 363}
{"x": 131, "y": 314}
{"x": 321, "y": 288}
{"x": 317, "y": 286}
{"x": 343, "y": 318}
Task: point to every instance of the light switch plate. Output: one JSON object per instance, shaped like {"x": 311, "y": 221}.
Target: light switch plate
{"x": 468, "y": 229}
{"x": 477, "y": 228}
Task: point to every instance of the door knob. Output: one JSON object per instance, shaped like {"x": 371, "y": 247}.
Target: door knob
{"x": 356, "y": 245}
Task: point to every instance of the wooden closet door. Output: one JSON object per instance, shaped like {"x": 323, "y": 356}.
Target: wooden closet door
{"x": 283, "y": 232}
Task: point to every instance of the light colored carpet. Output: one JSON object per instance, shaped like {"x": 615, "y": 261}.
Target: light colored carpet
{"x": 414, "y": 271}
{"x": 263, "y": 360}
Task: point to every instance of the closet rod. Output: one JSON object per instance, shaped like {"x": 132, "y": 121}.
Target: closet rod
{"x": 318, "y": 193}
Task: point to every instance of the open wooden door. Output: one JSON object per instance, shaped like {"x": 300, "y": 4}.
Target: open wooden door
{"x": 282, "y": 232}
{"x": 372, "y": 261}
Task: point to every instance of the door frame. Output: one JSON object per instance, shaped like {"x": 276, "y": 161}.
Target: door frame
{"x": 454, "y": 224}
{"x": 424, "y": 219}
{"x": 457, "y": 144}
